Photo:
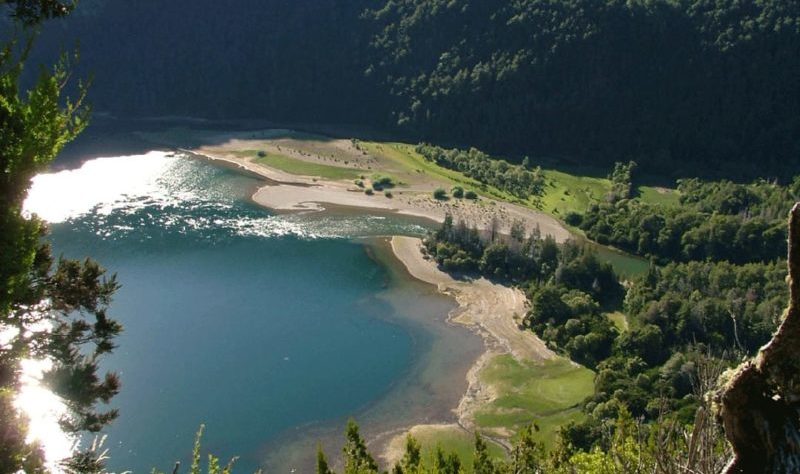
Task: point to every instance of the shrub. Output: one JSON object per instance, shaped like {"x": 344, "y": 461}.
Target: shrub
{"x": 573, "y": 219}
{"x": 440, "y": 193}
{"x": 388, "y": 194}
{"x": 368, "y": 192}
{"x": 262, "y": 154}
{"x": 471, "y": 195}
{"x": 359, "y": 183}
{"x": 380, "y": 181}
{"x": 458, "y": 192}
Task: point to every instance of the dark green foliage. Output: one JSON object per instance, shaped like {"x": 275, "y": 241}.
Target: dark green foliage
{"x": 567, "y": 285}
{"x": 439, "y": 193}
{"x": 31, "y": 12}
{"x": 412, "y": 458}
{"x": 70, "y": 297}
{"x": 573, "y": 219}
{"x": 357, "y": 460}
{"x": 602, "y": 80}
{"x": 457, "y": 192}
{"x": 621, "y": 181}
{"x": 471, "y": 195}
{"x": 481, "y": 462}
{"x": 380, "y": 182}
{"x": 514, "y": 179}
{"x": 717, "y": 221}
{"x": 322, "y": 462}
{"x": 594, "y": 81}
{"x": 680, "y": 314}
{"x": 570, "y": 320}
{"x": 768, "y": 200}
{"x": 723, "y": 305}
{"x": 528, "y": 456}
{"x": 445, "y": 463}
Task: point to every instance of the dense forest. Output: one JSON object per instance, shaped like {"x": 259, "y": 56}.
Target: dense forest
{"x": 683, "y": 87}
{"x": 680, "y": 318}
{"x": 716, "y": 220}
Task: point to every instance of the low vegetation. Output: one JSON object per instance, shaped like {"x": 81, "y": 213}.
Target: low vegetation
{"x": 305, "y": 168}
{"x": 548, "y": 393}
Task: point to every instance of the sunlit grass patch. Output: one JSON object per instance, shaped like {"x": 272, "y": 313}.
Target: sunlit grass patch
{"x": 546, "y": 393}
{"x": 301, "y": 167}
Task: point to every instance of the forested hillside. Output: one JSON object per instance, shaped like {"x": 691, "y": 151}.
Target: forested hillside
{"x": 277, "y": 60}
{"x": 684, "y": 87}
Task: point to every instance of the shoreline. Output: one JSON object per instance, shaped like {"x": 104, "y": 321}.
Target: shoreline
{"x": 489, "y": 310}
{"x": 285, "y": 192}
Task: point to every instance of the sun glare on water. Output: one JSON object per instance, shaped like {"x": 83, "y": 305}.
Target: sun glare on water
{"x": 96, "y": 186}
{"x": 43, "y": 409}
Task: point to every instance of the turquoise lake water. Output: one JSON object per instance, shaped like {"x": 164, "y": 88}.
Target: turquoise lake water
{"x": 269, "y": 329}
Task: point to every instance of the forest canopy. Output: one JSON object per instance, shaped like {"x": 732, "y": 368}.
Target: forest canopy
{"x": 682, "y": 87}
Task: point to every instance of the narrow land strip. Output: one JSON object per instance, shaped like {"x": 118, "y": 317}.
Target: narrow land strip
{"x": 493, "y": 311}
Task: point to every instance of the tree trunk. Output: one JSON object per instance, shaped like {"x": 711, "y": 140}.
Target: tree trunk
{"x": 759, "y": 406}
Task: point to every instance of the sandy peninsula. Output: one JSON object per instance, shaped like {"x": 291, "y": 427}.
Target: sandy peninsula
{"x": 291, "y": 192}
{"x": 493, "y": 311}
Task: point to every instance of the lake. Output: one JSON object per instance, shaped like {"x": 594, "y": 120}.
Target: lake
{"x": 270, "y": 329}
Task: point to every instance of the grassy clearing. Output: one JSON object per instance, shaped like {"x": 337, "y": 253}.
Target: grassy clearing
{"x": 662, "y": 196}
{"x": 566, "y": 192}
{"x": 626, "y": 265}
{"x": 546, "y": 393}
{"x": 453, "y": 439}
{"x": 405, "y": 156}
{"x": 300, "y": 167}
{"x": 619, "y": 320}
{"x": 570, "y": 192}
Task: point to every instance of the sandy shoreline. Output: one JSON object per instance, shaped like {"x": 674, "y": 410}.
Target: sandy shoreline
{"x": 292, "y": 193}
{"x": 492, "y": 311}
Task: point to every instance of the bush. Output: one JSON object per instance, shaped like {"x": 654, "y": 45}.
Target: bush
{"x": 471, "y": 195}
{"x": 388, "y": 194}
{"x": 262, "y": 154}
{"x": 458, "y": 192}
{"x": 368, "y": 192}
{"x": 359, "y": 183}
{"x": 439, "y": 193}
{"x": 573, "y": 219}
{"x": 380, "y": 181}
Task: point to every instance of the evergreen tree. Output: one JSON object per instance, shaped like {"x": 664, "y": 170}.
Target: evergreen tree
{"x": 357, "y": 459}
{"x": 482, "y": 463}
{"x": 322, "y": 462}
{"x": 70, "y": 298}
{"x": 412, "y": 458}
